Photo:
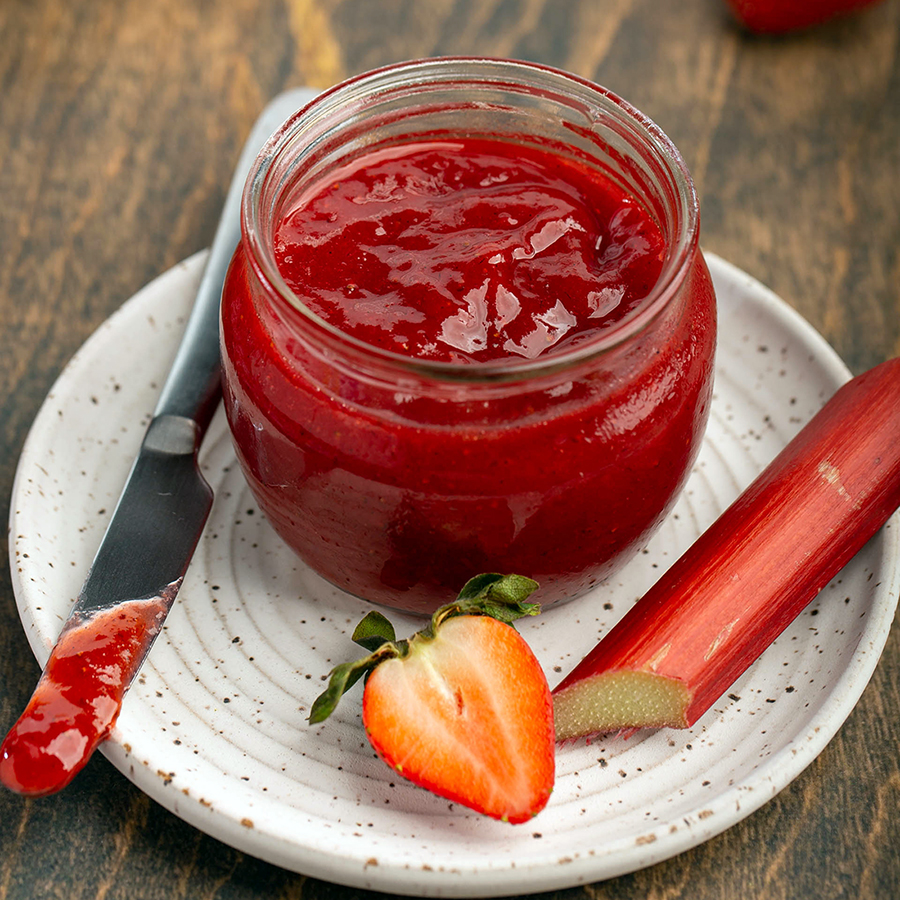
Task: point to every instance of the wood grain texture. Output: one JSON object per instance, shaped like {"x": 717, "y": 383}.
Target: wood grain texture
{"x": 120, "y": 121}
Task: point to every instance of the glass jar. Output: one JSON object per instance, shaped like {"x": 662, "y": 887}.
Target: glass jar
{"x": 397, "y": 478}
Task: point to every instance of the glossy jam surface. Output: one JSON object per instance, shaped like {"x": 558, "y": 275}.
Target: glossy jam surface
{"x": 398, "y": 486}
{"x": 78, "y": 698}
{"x": 453, "y": 251}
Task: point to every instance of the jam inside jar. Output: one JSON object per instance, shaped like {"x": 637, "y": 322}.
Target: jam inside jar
{"x": 468, "y": 329}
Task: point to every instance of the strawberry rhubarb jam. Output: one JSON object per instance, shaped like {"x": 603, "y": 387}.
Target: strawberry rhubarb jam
{"x": 468, "y": 329}
{"x": 79, "y": 697}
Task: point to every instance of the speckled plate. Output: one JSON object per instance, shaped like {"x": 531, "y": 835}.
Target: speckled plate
{"x": 215, "y": 729}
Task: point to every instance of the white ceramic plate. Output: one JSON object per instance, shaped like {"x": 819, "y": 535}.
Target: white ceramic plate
{"x": 215, "y": 729}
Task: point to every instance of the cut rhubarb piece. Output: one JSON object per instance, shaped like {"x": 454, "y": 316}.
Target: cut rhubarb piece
{"x": 750, "y": 574}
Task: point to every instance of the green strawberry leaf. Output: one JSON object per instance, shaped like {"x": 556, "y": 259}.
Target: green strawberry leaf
{"x": 344, "y": 676}
{"x": 373, "y": 631}
{"x": 500, "y": 596}
{"x": 514, "y": 590}
{"x": 476, "y": 588}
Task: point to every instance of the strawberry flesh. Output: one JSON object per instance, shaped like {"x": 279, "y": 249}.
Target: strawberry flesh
{"x": 468, "y": 715}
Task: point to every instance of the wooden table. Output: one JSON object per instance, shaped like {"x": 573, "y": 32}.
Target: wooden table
{"x": 120, "y": 121}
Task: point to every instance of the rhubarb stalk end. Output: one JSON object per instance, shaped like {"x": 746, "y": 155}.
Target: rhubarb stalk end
{"x": 623, "y": 700}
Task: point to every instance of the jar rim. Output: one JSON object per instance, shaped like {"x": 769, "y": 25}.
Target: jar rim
{"x": 486, "y": 71}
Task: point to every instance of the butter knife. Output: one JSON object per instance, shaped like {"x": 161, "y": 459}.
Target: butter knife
{"x": 151, "y": 537}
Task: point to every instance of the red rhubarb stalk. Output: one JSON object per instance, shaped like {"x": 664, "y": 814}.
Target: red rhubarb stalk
{"x": 750, "y": 574}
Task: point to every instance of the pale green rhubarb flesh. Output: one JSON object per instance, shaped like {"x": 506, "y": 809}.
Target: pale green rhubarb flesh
{"x": 683, "y": 644}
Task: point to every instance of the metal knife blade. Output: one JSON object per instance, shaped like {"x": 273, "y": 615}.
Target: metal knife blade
{"x": 149, "y": 542}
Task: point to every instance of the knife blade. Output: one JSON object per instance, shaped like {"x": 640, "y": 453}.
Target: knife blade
{"x": 149, "y": 542}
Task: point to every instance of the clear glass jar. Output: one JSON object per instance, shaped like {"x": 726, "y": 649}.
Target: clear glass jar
{"x": 397, "y": 478}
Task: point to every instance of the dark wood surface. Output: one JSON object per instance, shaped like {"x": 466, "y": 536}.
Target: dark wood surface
{"x": 120, "y": 121}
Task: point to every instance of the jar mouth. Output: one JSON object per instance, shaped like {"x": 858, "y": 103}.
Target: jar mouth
{"x": 588, "y": 115}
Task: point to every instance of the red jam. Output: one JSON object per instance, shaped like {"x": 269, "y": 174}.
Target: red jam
{"x": 468, "y": 251}
{"x": 78, "y": 698}
{"x": 468, "y": 329}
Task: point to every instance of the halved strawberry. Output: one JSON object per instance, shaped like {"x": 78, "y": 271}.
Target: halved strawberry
{"x": 463, "y": 707}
